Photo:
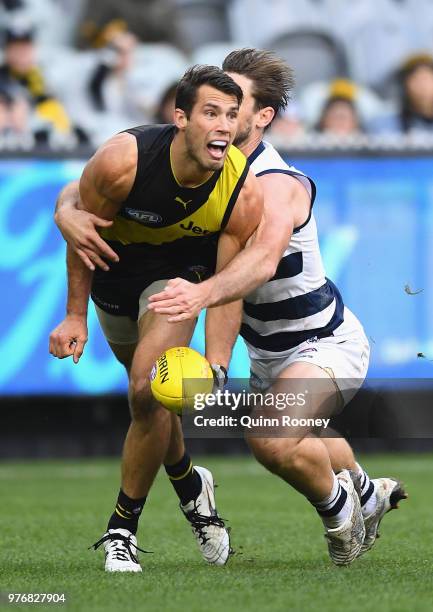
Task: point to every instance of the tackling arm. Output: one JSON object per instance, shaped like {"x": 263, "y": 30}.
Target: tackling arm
{"x": 286, "y": 205}
{"x": 183, "y": 300}
{"x": 223, "y": 322}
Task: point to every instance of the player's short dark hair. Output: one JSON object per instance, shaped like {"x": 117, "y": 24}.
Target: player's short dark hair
{"x": 271, "y": 77}
{"x": 195, "y": 77}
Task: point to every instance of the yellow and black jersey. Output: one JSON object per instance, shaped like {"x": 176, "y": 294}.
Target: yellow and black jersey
{"x": 163, "y": 229}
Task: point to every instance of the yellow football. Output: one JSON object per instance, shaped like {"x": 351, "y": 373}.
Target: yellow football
{"x": 178, "y": 375}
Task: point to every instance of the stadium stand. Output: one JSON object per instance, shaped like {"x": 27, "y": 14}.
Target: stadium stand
{"x": 313, "y": 55}
{"x": 166, "y": 105}
{"x": 214, "y": 53}
{"x": 378, "y": 35}
{"x": 322, "y": 40}
{"x": 201, "y": 21}
{"x": 368, "y": 104}
{"x": 413, "y": 109}
{"x": 156, "y": 67}
{"x": 22, "y": 73}
{"x": 54, "y": 22}
{"x": 255, "y": 23}
{"x": 153, "y": 68}
{"x": 149, "y": 20}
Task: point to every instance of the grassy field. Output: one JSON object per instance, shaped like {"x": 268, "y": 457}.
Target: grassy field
{"x": 52, "y": 511}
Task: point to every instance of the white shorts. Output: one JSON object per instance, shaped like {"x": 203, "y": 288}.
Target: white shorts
{"x": 122, "y": 329}
{"x": 344, "y": 356}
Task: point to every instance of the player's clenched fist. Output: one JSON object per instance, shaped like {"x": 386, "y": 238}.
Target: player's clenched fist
{"x": 69, "y": 338}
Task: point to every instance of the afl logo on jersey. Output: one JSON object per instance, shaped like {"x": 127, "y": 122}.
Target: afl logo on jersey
{"x": 143, "y": 216}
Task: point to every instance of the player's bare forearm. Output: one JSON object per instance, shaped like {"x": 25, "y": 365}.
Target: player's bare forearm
{"x": 79, "y": 285}
{"x": 70, "y": 336}
{"x": 222, "y": 328}
{"x": 251, "y": 268}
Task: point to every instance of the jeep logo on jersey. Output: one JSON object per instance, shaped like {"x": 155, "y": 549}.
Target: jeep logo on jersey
{"x": 143, "y": 216}
{"x": 195, "y": 229}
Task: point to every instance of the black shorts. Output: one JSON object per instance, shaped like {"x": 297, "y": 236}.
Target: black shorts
{"x": 120, "y": 295}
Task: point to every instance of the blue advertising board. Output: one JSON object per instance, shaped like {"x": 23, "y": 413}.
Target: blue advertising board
{"x": 375, "y": 219}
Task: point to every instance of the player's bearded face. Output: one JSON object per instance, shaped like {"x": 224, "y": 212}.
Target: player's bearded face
{"x": 211, "y": 128}
{"x": 244, "y": 130}
{"x": 247, "y": 110}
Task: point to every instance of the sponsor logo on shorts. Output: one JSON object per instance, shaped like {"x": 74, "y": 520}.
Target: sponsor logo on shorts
{"x": 105, "y": 304}
{"x": 308, "y": 350}
{"x": 143, "y": 216}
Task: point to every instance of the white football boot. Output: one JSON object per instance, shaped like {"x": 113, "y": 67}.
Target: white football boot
{"x": 388, "y": 494}
{"x": 120, "y": 551}
{"x": 208, "y": 528}
{"x": 345, "y": 542}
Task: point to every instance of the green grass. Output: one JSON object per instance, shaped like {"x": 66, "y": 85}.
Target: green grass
{"x": 52, "y": 511}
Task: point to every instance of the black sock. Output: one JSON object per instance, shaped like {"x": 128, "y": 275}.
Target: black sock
{"x": 334, "y": 505}
{"x": 367, "y": 487}
{"x": 185, "y": 480}
{"x": 126, "y": 513}
{"x": 333, "y": 510}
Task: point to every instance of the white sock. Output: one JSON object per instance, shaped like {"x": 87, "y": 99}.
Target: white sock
{"x": 336, "y": 507}
{"x": 368, "y": 492}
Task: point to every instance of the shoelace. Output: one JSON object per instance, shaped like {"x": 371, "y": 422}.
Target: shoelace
{"x": 199, "y": 522}
{"x": 120, "y": 548}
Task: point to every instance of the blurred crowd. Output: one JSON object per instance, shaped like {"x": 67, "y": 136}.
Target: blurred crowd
{"x": 73, "y": 72}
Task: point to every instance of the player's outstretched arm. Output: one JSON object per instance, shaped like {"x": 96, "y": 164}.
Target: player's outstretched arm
{"x": 222, "y": 329}
{"x": 104, "y": 184}
{"x": 80, "y": 229}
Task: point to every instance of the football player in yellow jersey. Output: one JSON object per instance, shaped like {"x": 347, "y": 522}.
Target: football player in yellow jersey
{"x": 182, "y": 203}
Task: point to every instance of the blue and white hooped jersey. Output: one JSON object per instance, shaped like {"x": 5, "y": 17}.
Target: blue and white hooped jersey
{"x": 299, "y": 302}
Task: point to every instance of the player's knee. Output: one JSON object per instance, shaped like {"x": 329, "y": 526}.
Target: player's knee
{"x": 141, "y": 403}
